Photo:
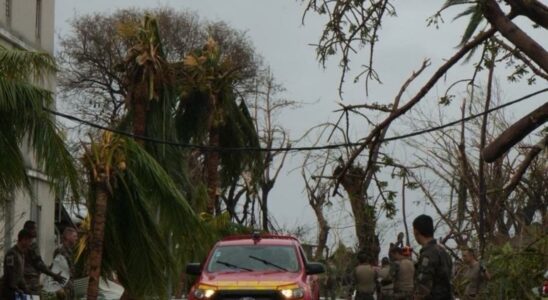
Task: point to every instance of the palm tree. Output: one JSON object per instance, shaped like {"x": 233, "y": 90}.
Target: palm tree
{"x": 24, "y": 120}
{"x": 132, "y": 184}
{"x": 209, "y": 106}
{"x": 152, "y": 98}
{"x": 148, "y": 77}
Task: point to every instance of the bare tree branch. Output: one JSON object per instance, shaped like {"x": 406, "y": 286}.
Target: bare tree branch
{"x": 480, "y": 38}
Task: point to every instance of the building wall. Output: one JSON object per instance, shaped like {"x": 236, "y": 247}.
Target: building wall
{"x": 33, "y": 26}
{"x": 30, "y": 26}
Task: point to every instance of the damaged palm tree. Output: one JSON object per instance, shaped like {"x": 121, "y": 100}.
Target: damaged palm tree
{"x": 26, "y": 119}
{"x": 209, "y": 105}
{"x": 127, "y": 185}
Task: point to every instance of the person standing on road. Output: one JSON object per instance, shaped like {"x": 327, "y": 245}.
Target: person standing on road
{"x": 365, "y": 278}
{"x": 34, "y": 265}
{"x": 14, "y": 283}
{"x": 386, "y": 280}
{"x": 434, "y": 268}
{"x": 63, "y": 262}
{"x": 475, "y": 275}
{"x": 402, "y": 272}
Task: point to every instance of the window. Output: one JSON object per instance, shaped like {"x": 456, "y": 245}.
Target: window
{"x": 254, "y": 258}
{"x": 38, "y": 19}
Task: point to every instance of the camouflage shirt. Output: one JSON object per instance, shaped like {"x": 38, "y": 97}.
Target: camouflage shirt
{"x": 34, "y": 266}
{"x": 433, "y": 273}
{"x": 67, "y": 253}
{"x": 14, "y": 262}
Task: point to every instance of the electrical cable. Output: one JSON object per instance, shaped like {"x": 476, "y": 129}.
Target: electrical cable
{"x": 289, "y": 148}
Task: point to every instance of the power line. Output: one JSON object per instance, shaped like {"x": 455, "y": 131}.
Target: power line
{"x": 289, "y": 148}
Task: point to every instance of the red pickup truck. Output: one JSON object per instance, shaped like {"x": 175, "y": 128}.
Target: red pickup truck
{"x": 256, "y": 267}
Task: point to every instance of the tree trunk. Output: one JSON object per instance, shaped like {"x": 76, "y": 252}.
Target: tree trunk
{"x": 485, "y": 225}
{"x": 180, "y": 286}
{"x": 533, "y": 50}
{"x": 212, "y": 168}
{"x": 323, "y": 231}
{"x": 264, "y": 206}
{"x": 139, "y": 117}
{"x": 404, "y": 213}
{"x": 515, "y": 133}
{"x": 213, "y": 159}
{"x": 364, "y": 214}
{"x": 461, "y": 202}
{"x": 96, "y": 243}
{"x": 358, "y": 210}
{"x": 532, "y": 9}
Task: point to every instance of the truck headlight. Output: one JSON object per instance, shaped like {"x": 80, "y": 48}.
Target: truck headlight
{"x": 293, "y": 293}
{"x": 200, "y": 293}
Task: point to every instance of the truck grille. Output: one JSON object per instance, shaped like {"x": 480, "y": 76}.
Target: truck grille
{"x": 247, "y": 295}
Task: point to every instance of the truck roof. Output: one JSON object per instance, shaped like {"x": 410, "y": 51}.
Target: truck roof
{"x": 258, "y": 239}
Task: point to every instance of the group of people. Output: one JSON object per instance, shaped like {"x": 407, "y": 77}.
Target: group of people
{"x": 399, "y": 278}
{"x": 23, "y": 266}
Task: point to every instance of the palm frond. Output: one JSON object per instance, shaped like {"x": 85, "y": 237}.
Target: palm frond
{"x": 450, "y": 3}
{"x": 473, "y": 24}
{"x": 191, "y": 119}
{"x": 474, "y": 10}
{"x": 150, "y": 229}
{"x": 26, "y": 65}
{"x": 21, "y": 104}
{"x": 53, "y": 156}
{"x": 210, "y": 78}
{"x": 22, "y": 98}
{"x": 12, "y": 167}
{"x": 238, "y": 131}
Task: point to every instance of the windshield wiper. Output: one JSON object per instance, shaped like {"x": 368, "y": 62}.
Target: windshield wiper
{"x": 269, "y": 263}
{"x": 233, "y": 266}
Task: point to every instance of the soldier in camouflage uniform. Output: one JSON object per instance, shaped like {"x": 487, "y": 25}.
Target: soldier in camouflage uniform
{"x": 34, "y": 265}
{"x": 70, "y": 236}
{"x": 14, "y": 262}
{"x": 434, "y": 268}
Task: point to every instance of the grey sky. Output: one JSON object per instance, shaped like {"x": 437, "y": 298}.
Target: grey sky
{"x": 275, "y": 28}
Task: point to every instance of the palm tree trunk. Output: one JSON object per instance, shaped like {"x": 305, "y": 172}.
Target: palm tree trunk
{"x": 213, "y": 158}
{"x": 98, "y": 231}
{"x": 212, "y": 168}
{"x": 139, "y": 118}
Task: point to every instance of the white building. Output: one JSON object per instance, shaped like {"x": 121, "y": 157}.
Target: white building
{"x": 29, "y": 24}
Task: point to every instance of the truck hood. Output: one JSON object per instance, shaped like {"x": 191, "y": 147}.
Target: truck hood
{"x": 249, "y": 280}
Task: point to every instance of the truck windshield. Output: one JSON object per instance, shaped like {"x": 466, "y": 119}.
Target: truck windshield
{"x": 254, "y": 257}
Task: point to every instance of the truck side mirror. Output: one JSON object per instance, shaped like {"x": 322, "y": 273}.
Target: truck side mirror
{"x": 193, "y": 269}
{"x": 314, "y": 268}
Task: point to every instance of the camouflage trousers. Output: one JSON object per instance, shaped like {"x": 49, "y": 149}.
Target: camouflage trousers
{"x": 33, "y": 283}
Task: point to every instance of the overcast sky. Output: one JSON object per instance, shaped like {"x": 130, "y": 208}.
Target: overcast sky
{"x": 275, "y": 29}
